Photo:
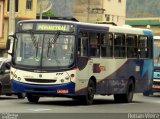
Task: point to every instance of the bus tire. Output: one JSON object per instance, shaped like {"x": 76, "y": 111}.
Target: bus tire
{"x": 148, "y": 93}
{"x": 32, "y": 99}
{"x": 91, "y": 89}
{"x": 1, "y": 89}
{"x": 128, "y": 96}
{"x": 21, "y": 95}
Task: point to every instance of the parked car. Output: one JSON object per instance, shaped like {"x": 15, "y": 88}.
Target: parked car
{"x": 5, "y": 84}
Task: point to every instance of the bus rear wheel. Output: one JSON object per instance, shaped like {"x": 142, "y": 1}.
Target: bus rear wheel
{"x": 32, "y": 99}
{"x": 88, "y": 98}
{"x": 128, "y": 96}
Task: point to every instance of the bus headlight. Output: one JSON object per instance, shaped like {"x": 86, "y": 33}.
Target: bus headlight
{"x": 19, "y": 78}
{"x": 15, "y": 76}
{"x": 67, "y": 78}
{"x": 62, "y": 80}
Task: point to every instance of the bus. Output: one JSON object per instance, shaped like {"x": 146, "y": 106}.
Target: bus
{"x": 156, "y": 73}
{"x": 80, "y": 60}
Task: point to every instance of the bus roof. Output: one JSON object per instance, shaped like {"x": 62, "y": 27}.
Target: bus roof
{"x": 116, "y": 29}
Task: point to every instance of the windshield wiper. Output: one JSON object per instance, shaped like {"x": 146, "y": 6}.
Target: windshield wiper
{"x": 34, "y": 41}
{"x": 52, "y": 41}
{"x": 37, "y": 48}
{"x": 33, "y": 38}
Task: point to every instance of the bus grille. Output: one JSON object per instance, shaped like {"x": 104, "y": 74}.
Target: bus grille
{"x": 40, "y": 80}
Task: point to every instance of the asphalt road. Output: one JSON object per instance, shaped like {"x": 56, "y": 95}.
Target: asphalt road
{"x": 65, "y": 108}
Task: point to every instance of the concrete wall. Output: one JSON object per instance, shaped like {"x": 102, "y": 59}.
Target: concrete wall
{"x": 116, "y": 9}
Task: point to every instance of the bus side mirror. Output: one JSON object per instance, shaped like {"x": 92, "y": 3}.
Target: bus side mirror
{"x": 8, "y": 44}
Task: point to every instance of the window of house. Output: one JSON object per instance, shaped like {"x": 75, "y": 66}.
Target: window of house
{"x": 107, "y": 45}
{"x": 29, "y": 4}
{"x": 107, "y": 16}
{"x": 119, "y": 1}
{"x": 16, "y": 5}
{"x": 117, "y": 18}
{"x": 132, "y": 51}
{"x": 119, "y": 45}
{"x": 112, "y": 17}
{"x": 8, "y": 3}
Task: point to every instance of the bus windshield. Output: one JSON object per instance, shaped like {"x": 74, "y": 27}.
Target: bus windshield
{"x": 156, "y": 52}
{"x": 44, "y": 50}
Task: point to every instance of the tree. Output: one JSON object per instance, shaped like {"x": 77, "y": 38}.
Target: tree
{"x": 49, "y": 13}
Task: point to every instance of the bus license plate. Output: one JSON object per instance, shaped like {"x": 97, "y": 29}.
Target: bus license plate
{"x": 156, "y": 86}
{"x": 62, "y": 91}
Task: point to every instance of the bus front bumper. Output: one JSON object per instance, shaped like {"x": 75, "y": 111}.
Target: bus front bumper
{"x": 156, "y": 85}
{"x": 54, "y": 89}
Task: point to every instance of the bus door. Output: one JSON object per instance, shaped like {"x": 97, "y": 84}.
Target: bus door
{"x": 145, "y": 63}
{"x": 83, "y": 60}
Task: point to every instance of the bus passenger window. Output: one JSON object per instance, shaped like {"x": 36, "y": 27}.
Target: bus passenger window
{"x": 94, "y": 44}
{"x": 107, "y": 45}
{"x": 119, "y": 45}
{"x": 132, "y": 51}
{"x": 143, "y": 47}
{"x": 83, "y": 46}
{"x": 83, "y": 43}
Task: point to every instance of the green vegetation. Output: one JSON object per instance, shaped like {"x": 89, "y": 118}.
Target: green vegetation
{"x": 49, "y": 13}
{"x": 143, "y": 8}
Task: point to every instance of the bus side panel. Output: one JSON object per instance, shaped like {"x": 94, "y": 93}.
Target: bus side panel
{"x": 138, "y": 70}
{"x": 83, "y": 75}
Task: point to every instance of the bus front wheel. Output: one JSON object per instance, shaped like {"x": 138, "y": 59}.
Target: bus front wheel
{"x": 32, "y": 99}
{"x": 21, "y": 95}
{"x": 128, "y": 96}
{"x": 91, "y": 89}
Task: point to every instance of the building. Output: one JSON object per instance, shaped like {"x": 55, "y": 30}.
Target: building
{"x": 2, "y": 22}
{"x": 100, "y": 10}
{"x": 149, "y": 23}
{"x": 89, "y": 10}
{"x": 24, "y": 9}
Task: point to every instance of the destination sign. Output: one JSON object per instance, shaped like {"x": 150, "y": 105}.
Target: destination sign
{"x": 45, "y": 26}
{"x": 54, "y": 27}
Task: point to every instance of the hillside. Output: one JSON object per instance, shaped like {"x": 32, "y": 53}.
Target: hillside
{"x": 143, "y": 8}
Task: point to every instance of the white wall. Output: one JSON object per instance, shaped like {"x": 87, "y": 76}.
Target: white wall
{"x": 116, "y": 10}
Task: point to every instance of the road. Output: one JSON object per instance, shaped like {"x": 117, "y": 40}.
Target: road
{"x": 103, "y": 106}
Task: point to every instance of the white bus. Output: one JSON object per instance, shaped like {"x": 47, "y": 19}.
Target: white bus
{"x": 156, "y": 70}
{"x": 79, "y": 60}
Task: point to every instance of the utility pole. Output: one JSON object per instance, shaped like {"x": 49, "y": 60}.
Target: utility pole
{"x": 40, "y": 9}
{"x": 11, "y": 22}
{"x": 11, "y": 17}
{"x": 88, "y": 10}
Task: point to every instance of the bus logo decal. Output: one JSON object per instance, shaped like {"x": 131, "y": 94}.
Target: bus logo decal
{"x": 97, "y": 68}
{"x": 59, "y": 73}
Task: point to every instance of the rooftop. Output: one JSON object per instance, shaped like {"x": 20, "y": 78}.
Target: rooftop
{"x": 142, "y": 22}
